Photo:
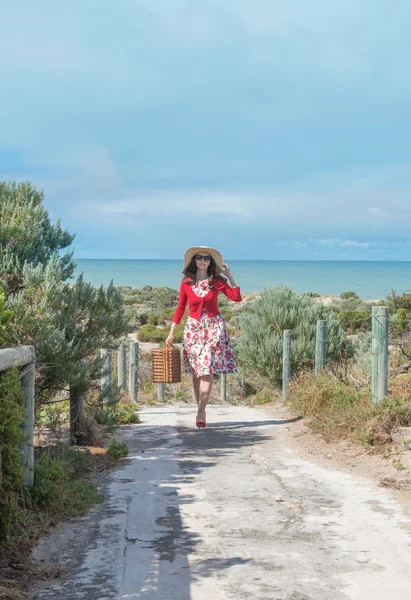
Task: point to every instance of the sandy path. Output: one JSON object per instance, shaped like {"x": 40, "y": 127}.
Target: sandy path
{"x": 231, "y": 513}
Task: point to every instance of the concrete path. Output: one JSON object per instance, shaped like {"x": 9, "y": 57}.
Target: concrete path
{"x": 227, "y": 513}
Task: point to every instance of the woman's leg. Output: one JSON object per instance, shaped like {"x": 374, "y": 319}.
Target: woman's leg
{"x": 196, "y": 388}
{"x": 206, "y": 382}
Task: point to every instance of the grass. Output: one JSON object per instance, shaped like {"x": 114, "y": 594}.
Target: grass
{"x": 61, "y": 490}
{"x": 337, "y": 411}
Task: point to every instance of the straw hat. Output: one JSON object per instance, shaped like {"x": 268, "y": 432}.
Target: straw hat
{"x": 188, "y": 255}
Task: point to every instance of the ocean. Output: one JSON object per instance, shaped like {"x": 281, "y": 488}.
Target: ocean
{"x": 370, "y": 280}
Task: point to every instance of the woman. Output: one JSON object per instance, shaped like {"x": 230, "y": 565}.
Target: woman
{"x": 207, "y": 348}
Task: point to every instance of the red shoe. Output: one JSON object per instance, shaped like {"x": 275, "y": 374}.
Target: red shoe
{"x": 200, "y": 424}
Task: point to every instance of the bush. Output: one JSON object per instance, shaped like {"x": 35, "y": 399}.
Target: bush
{"x": 57, "y": 489}
{"x": 334, "y": 409}
{"x": 260, "y": 346}
{"x": 226, "y": 314}
{"x": 5, "y": 320}
{"x": 117, "y": 450}
{"x": 349, "y": 296}
{"x": 155, "y": 319}
{"x": 355, "y": 321}
{"x": 168, "y": 314}
{"x": 11, "y": 436}
{"x": 114, "y": 408}
{"x": 150, "y": 333}
{"x": 157, "y": 298}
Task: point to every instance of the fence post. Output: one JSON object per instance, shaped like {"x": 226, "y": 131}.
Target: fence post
{"x": 320, "y": 346}
{"x": 379, "y": 376}
{"x": 76, "y": 416}
{"x": 223, "y": 387}
{"x": 107, "y": 376}
{"x": 121, "y": 367}
{"x": 161, "y": 392}
{"x": 27, "y": 448}
{"x": 133, "y": 371}
{"x": 286, "y": 361}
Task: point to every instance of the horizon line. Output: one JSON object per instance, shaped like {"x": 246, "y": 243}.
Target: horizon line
{"x": 260, "y": 259}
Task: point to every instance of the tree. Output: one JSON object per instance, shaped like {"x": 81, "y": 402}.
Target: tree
{"x": 27, "y": 236}
{"x": 349, "y": 296}
{"x": 260, "y": 347}
{"x": 67, "y": 324}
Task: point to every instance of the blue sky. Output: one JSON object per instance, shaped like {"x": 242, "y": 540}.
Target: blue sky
{"x": 268, "y": 129}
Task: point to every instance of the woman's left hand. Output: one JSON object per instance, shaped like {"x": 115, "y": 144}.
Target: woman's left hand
{"x": 226, "y": 270}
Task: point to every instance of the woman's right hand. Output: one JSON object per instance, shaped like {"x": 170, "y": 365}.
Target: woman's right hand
{"x": 170, "y": 339}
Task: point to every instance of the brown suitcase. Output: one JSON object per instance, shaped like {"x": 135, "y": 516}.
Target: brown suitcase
{"x": 166, "y": 365}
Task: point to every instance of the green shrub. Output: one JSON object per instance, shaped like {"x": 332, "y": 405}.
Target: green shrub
{"x": 150, "y": 333}
{"x": 168, "y": 314}
{"x": 349, "y": 296}
{"x": 355, "y": 321}
{"x": 57, "y": 489}
{"x": 117, "y": 450}
{"x": 157, "y": 298}
{"x": 119, "y": 411}
{"x": 260, "y": 346}
{"x": 11, "y": 436}
{"x": 5, "y": 320}
{"x": 226, "y": 314}
{"x": 155, "y": 319}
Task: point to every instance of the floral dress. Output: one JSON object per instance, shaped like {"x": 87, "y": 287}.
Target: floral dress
{"x": 207, "y": 347}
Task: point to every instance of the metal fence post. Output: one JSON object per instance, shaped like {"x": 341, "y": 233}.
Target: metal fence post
{"x": 286, "y": 361}
{"x": 320, "y": 346}
{"x": 133, "y": 371}
{"x": 223, "y": 387}
{"x": 121, "y": 367}
{"x": 161, "y": 392}
{"x": 379, "y": 378}
{"x": 107, "y": 377}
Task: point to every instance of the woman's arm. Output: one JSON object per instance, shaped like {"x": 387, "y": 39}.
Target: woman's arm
{"x": 178, "y": 315}
{"x": 233, "y": 292}
{"x": 181, "y": 306}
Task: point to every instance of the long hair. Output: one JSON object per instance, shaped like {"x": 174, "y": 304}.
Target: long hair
{"x": 191, "y": 272}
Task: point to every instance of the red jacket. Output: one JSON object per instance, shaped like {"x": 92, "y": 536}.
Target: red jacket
{"x": 208, "y": 302}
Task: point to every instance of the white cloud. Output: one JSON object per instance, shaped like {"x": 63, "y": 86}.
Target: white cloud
{"x": 378, "y": 212}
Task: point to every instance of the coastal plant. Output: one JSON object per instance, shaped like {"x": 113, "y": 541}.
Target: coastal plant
{"x": 67, "y": 324}
{"x": 5, "y": 321}
{"x": 155, "y": 319}
{"x": 400, "y": 326}
{"x": 66, "y": 321}
{"x": 349, "y": 296}
{"x": 119, "y": 411}
{"x": 157, "y": 298}
{"x": 338, "y": 411}
{"x": 355, "y": 321}
{"x": 11, "y": 436}
{"x": 260, "y": 346}
{"x": 58, "y": 489}
{"x": 27, "y": 237}
{"x": 117, "y": 449}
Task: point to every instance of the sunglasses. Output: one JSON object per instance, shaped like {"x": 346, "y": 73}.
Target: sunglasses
{"x": 201, "y": 257}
